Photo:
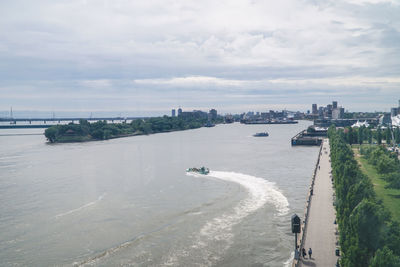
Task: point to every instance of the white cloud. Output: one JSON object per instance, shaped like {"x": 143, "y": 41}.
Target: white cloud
{"x": 77, "y": 47}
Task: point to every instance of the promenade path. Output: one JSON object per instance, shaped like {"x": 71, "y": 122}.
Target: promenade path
{"x": 320, "y": 232}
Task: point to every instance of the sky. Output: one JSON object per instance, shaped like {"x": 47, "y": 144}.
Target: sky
{"x": 143, "y": 58}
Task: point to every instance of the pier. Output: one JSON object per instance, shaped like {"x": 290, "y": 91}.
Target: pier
{"x": 319, "y": 231}
{"x": 305, "y": 138}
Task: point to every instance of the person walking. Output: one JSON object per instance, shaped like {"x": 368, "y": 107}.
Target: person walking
{"x": 304, "y": 253}
{"x": 309, "y": 252}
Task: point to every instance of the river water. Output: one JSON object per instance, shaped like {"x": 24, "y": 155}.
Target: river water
{"x": 129, "y": 201}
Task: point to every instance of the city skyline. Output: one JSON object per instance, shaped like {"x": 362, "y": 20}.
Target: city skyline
{"x": 142, "y": 59}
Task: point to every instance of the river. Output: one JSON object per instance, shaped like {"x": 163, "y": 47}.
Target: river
{"x": 129, "y": 201}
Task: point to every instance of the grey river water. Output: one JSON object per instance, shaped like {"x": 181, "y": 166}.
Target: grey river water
{"x": 129, "y": 201}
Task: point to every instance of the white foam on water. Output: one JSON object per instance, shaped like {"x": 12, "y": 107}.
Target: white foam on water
{"x": 81, "y": 207}
{"x": 218, "y": 231}
{"x": 289, "y": 261}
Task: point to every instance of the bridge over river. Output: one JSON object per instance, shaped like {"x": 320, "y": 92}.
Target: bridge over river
{"x": 15, "y": 123}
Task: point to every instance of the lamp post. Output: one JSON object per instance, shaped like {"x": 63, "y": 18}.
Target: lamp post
{"x": 296, "y": 229}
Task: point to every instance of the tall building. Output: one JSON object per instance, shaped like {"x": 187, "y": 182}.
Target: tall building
{"x": 314, "y": 109}
{"x": 179, "y": 112}
{"x": 334, "y": 104}
{"x": 173, "y": 113}
{"x": 338, "y": 113}
{"x": 321, "y": 112}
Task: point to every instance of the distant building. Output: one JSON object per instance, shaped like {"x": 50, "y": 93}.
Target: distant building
{"x": 394, "y": 112}
{"x": 320, "y": 112}
{"x": 213, "y": 114}
{"x": 173, "y": 114}
{"x": 334, "y": 104}
{"x": 385, "y": 119}
{"x": 179, "y": 112}
{"x": 314, "y": 109}
{"x": 338, "y": 113}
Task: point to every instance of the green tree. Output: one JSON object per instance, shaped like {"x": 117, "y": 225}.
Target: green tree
{"x": 388, "y": 136}
{"x": 51, "y": 133}
{"x": 379, "y": 136}
{"x": 385, "y": 258}
{"x": 360, "y": 136}
{"x": 397, "y": 135}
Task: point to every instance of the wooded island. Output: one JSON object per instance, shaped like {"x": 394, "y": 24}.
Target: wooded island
{"x": 102, "y": 130}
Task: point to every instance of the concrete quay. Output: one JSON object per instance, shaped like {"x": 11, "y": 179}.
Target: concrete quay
{"x": 318, "y": 229}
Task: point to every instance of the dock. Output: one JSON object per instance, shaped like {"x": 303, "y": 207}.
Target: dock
{"x": 319, "y": 231}
{"x": 305, "y": 138}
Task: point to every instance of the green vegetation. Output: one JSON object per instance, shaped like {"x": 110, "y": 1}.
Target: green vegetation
{"x": 369, "y": 135}
{"x": 390, "y": 197}
{"x": 101, "y": 130}
{"x": 368, "y": 235}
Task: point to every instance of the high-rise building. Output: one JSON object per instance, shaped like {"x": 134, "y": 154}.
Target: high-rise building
{"x": 314, "y": 109}
{"x": 338, "y": 113}
{"x": 173, "y": 114}
{"x": 321, "y": 112}
{"x": 179, "y": 112}
{"x": 334, "y": 104}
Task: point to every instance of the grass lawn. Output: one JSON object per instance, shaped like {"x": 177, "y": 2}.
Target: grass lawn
{"x": 390, "y": 197}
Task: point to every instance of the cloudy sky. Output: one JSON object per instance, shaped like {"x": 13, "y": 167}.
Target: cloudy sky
{"x": 145, "y": 57}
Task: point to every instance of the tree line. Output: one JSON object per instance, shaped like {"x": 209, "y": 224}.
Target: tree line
{"x": 369, "y": 135}
{"x": 102, "y": 130}
{"x": 368, "y": 235}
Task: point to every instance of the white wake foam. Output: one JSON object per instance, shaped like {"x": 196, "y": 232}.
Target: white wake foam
{"x": 218, "y": 231}
{"x": 81, "y": 208}
{"x": 289, "y": 261}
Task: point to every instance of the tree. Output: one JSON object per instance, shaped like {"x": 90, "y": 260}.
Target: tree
{"x": 388, "y": 135}
{"x": 361, "y": 135}
{"x": 397, "y": 135}
{"x": 379, "y": 136}
{"x": 51, "y": 133}
{"x": 385, "y": 258}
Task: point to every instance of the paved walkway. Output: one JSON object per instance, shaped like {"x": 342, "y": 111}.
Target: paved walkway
{"x": 320, "y": 232}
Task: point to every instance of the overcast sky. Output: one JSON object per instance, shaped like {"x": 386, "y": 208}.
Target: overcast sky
{"x": 145, "y": 57}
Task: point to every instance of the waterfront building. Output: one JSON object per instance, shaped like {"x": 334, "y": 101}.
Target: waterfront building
{"x": 179, "y": 112}
{"x": 173, "y": 113}
{"x": 314, "y": 109}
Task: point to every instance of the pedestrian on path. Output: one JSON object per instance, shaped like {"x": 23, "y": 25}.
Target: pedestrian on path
{"x": 309, "y": 252}
{"x": 304, "y": 253}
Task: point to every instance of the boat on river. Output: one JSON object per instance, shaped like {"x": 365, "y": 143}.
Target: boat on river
{"x": 202, "y": 170}
{"x": 263, "y": 134}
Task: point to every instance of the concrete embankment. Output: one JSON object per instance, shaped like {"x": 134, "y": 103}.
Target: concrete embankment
{"x": 318, "y": 230}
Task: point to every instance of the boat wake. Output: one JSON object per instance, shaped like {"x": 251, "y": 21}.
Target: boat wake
{"x": 216, "y": 236}
{"x": 81, "y": 208}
